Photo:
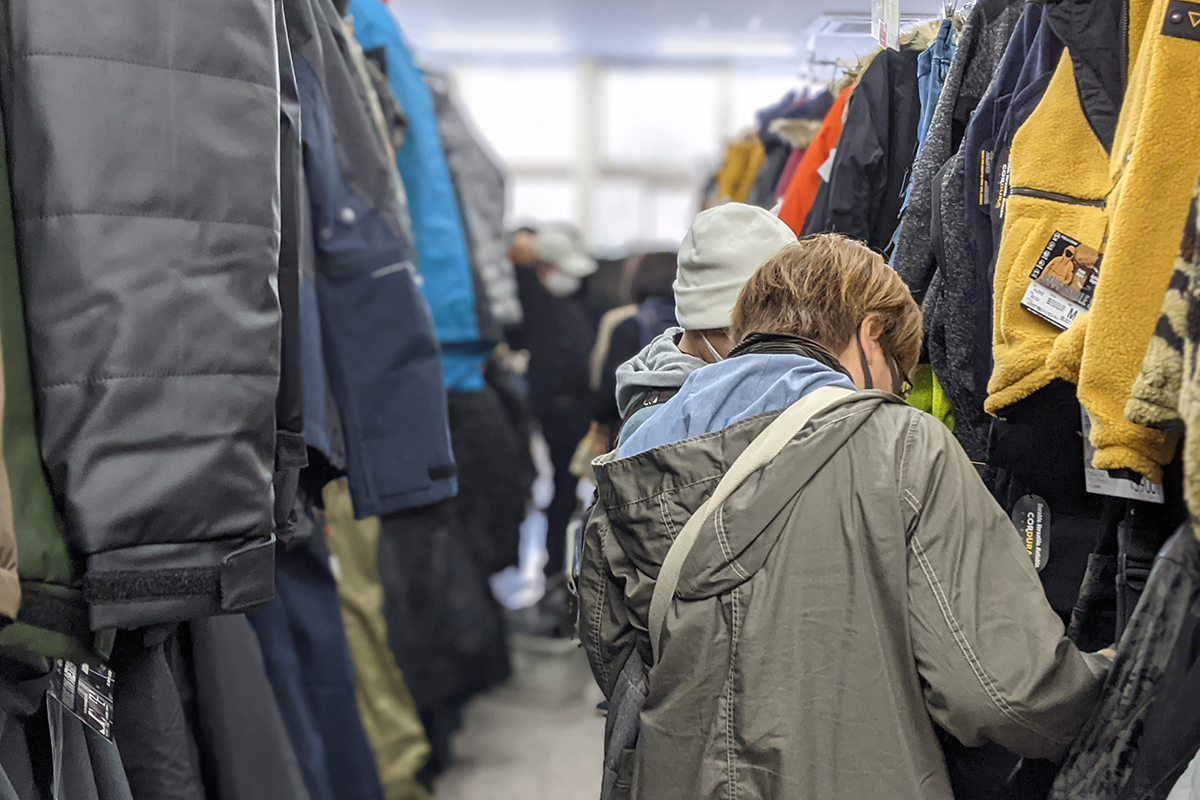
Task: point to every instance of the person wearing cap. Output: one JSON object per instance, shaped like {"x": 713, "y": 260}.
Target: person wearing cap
{"x": 724, "y": 247}
{"x": 558, "y": 334}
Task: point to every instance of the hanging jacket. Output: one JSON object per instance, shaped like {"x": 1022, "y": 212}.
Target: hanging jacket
{"x": 806, "y": 181}
{"x": 436, "y": 219}
{"x": 1152, "y": 171}
{"x": 1164, "y": 394}
{"x": 147, "y": 235}
{"x": 957, "y": 314}
{"x": 743, "y": 159}
{"x": 980, "y": 48}
{"x": 845, "y": 589}
{"x": 377, "y": 345}
{"x": 876, "y": 149}
{"x": 389, "y": 715}
{"x": 1057, "y": 182}
{"x": 479, "y": 185}
{"x": 1155, "y": 400}
{"x": 1146, "y": 728}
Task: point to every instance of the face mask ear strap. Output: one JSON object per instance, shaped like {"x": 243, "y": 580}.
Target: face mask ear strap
{"x": 868, "y": 379}
{"x": 711, "y": 349}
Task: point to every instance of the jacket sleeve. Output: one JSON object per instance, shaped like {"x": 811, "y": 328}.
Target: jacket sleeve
{"x": 991, "y": 652}
{"x": 605, "y": 627}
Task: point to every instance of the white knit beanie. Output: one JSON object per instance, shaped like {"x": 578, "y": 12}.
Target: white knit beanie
{"x": 725, "y": 246}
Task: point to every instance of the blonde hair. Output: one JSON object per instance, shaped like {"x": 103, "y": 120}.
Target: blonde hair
{"x": 822, "y": 288}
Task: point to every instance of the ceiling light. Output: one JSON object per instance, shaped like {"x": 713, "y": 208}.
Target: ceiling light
{"x": 691, "y": 45}
{"x": 494, "y": 42}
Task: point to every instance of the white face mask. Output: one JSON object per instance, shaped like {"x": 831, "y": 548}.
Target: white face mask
{"x": 560, "y": 284}
{"x": 712, "y": 349}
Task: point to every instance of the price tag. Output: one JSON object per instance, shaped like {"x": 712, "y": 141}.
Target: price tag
{"x": 87, "y": 692}
{"x": 885, "y": 22}
{"x": 1063, "y": 281}
{"x": 1099, "y": 481}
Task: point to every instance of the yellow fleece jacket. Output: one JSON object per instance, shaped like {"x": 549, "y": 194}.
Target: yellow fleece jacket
{"x": 743, "y": 160}
{"x": 1153, "y": 169}
{"x": 1059, "y": 179}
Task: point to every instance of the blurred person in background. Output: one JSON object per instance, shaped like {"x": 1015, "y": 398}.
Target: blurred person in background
{"x": 722, "y": 250}
{"x": 558, "y": 335}
{"x": 625, "y": 331}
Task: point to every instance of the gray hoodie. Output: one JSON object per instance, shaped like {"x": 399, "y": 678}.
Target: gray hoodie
{"x": 660, "y": 366}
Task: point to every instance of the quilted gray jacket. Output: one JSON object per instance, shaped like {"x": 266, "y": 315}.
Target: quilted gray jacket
{"x": 144, "y": 144}
{"x": 862, "y": 587}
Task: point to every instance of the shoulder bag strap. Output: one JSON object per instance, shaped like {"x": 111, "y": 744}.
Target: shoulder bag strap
{"x": 757, "y": 455}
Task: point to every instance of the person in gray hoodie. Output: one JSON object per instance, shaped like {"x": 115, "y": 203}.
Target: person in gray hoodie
{"x": 724, "y": 247}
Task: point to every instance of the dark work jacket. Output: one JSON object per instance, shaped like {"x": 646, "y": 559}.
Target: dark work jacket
{"x": 958, "y": 307}
{"x": 380, "y": 355}
{"x": 1146, "y": 728}
{"x": 145, "y": 172}
{"x": 866, "y": 186}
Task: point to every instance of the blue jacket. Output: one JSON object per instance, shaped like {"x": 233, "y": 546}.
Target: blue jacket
{"x": 376, "y": 345}
{"x": 437, "y": 222}
{"x": 718, "y": 395}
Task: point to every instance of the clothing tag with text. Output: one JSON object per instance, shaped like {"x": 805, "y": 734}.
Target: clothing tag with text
{"x": 1031, "y": 515}
{"x": 885, "y": 22}
{"x": 1063, "y": 281}
{"x": 87, "y": 692}
{"x": 1099, "y": 481}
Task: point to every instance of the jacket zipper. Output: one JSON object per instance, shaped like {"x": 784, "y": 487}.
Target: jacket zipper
{"x": 1066, "y": 199}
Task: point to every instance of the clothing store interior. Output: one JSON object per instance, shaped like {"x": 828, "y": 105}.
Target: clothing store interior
{"x": 393, "y": 396}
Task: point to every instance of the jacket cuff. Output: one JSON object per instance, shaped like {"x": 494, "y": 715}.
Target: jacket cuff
{"x": 161, "y": 583}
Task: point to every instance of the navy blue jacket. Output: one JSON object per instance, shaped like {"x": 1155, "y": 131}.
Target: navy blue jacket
{"x": 380, "y": 354}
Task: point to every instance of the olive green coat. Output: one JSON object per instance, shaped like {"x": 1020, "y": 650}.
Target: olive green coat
{"x": 861, "y": 587}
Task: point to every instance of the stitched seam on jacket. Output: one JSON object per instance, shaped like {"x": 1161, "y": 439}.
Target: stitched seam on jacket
{"x": 130, "y": 214}
{"x": 852, "y": 413}
{"x": 51, "y": 54}
{"x": 735, "y": 628}
{"x": 598, "y": 614}
{"x": 658, "y": 495}
{"x": 723, "y": 539}
{"x": 968, "y": 652}
{"x": 156, "y": 375}
{"x": 662, "y": 510}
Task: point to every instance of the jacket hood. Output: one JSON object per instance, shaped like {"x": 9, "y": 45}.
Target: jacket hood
{"x": 721, "y": 394}
{"x": 649, "y": 497}
{"x": 660, "y": 365}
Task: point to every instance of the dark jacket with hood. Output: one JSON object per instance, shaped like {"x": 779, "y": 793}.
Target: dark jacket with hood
{"x": 835, "y": 607}
{"x": 148, "y": 242}
{"x": 879, "y": 139}
{"x": 378, "y": 349}
{"x": 931, "y": 242}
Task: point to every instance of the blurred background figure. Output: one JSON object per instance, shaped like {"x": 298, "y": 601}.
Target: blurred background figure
{"x": 558, "y": 334}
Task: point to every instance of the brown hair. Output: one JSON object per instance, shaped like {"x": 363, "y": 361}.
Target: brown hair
{"x": 822, "y": 288}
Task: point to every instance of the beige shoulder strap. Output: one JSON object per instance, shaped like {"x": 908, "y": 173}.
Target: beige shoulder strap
{"x": 757, "y": 455}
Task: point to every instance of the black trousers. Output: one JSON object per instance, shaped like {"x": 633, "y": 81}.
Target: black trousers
{"x": 563, "y": 426}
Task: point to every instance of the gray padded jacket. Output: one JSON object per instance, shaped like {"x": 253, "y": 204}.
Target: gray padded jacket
{"x": 144, "y": 142}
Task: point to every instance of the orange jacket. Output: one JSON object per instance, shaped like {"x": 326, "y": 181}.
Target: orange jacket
{"x": 802, "y": 191}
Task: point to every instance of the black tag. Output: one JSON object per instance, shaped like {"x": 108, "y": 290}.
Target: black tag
{"x": 1031, "y": 515}
{"x": 87, "y": 692}
{"x": 1183, "y": 20}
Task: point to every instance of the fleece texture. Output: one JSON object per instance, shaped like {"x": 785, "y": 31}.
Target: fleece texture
{"x": 1155, "y": 399}
{"x": 1153, "y": 170}
{"x": 1055, "y": 152}
{"x": 1189, "y": 395}
{"x": 743, "y": 160}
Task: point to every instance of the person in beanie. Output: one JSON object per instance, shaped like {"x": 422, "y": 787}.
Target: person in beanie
{"x": 722, "y": 250}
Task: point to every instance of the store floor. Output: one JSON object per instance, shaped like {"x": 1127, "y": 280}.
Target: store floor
{"x": 511, "y": 748}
